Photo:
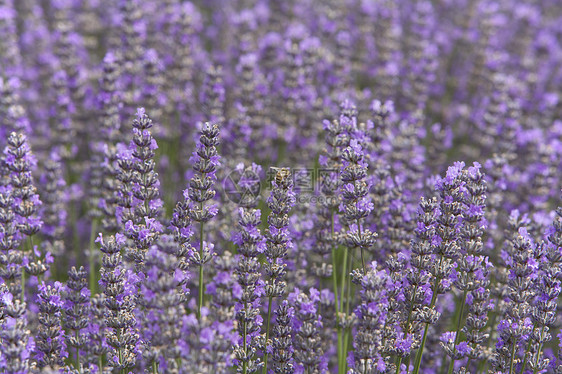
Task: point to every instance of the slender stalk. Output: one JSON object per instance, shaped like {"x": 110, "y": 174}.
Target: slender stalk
{"x": 93, "y": 283}
{"x": 334, "y": 272}
{"x": 346, "y": 341}
{"x": 348, "y": 290}
{"x": 538, "y": 355}
{"x": 343, "y": 365}
{"x": 482, "y": 365}
{"x": 363, "y": 262}
{"x": 525, "y": 354}
{"x": 338, "y": 328}
{"x": 362, "y": 255}
{"x": 457, "y": 334}
{"x": 22, "y": 285}
{"x": 339, "y": 333}
{"x": 512, "y": 359}
{"x": 344, "y": 277}
{"x": 77, "y": 352}
{"x": 407, "y": 361}
{"x": 23, "y": 270}
{"x": 407, "y": 329}
{"x": 335, "y": 285}
{"x": 398, "y": 364}
{"x": 120, "y": 351}
{"x": 417, "y": 363}
{"x": 154, "y": 367}
{"x": 420, "y": 351}
{"x": 267, "y": 333}
{"x": 201, "y": 284}
{"x": 347, "y": 331}
{"x": 244, "y": 368}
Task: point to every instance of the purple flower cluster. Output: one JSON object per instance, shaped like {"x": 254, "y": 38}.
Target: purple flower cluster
{"x": 409, "y": 219}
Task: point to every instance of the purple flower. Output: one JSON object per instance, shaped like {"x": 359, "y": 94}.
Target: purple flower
{"x": 50, "y": 343}
{"x": 250, "y": 244}
{"x": 307, "y": 323}
{"x": 139, "y": 191}
{"x": 120, "y": 294}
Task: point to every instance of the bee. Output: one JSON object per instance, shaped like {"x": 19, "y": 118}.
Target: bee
{"x": 281, "y": 174}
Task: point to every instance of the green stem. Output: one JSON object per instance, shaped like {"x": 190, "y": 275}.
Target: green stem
{"x": 93, "y": 283}
{"x": 201, "y": 284}
{"x": 525, "y": 355}
{"x": 457, "y": 334}
{"x": 420, "y": 351}
{"x": 362, "y": 256}
{"x": 22, "y": 285}
{"x": 350, "y": 285}
{"x": 343, "y": 365}
{"x": 244, "y": 368}
{"x": 512, "y": 359}
{"x": 346, "y": 338}
{"x": 340, "y": 343}
{"x": 347, "y": 304}
{"x": 154, "y": 367}
{"x": 120, "y": 352}
{"x": 482, "y": 365}
{"x": 538, "y": 356}
{"x": 23, "y": 269}
{"x": 267, "y": 333}
{"x": 344, "y": 277}
{"x": 398, "y": 364}
{"x": 419, "y": 355}
{"x": 335, "y": 285}
{"x": 100, "y": 364}
{"x": 407, "y": 328}
{"x": 363, "y": 261}
{"x": 77, "y": 352}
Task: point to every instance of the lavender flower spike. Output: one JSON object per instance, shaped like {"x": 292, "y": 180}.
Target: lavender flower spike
{"x": 17, "y": 165}
{"x": 120, "y": 319}
{"x": 76, "y": 312}
{"x": 278, "y": 242}
{"x": 357, "y": 203}
{"x": 446, "y": 248}
{"x": 205, "y": 161}
{"x": 250, "y": 243}
{"x": 472, "y": 271}
{"x": 282, "y": 347}
{"x": 143, "y": 227}
{"x": 14, "y": 334}
{"x": 50, "y": 345}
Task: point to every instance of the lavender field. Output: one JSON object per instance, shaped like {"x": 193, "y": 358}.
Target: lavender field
{"x": 280, "y": 186}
